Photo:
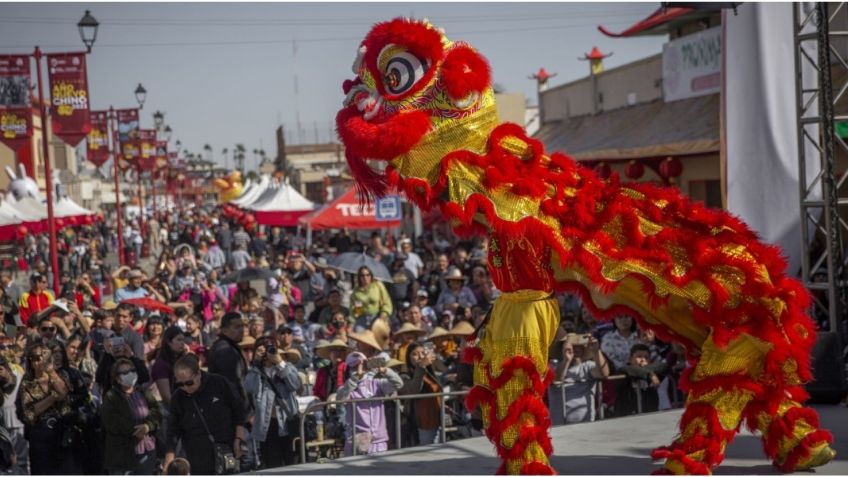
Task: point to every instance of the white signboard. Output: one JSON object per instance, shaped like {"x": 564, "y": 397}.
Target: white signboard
{"x": 388, "y": 208}
{"x": 692, "y": 65}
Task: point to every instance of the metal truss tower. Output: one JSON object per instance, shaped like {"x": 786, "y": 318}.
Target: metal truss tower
{"x": 821, "y": 85}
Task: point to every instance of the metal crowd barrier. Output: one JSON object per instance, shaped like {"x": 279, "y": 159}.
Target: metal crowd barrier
{"x": 315, "y": 406}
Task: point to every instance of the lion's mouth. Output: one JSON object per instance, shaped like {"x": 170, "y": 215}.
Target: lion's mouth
{"x": 367, "y": 101}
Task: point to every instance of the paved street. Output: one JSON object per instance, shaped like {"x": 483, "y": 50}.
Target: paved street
{"x": 612, "y": 447}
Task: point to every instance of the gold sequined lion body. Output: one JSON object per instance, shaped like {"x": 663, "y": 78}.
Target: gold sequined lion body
{"x": 423, "y": 107}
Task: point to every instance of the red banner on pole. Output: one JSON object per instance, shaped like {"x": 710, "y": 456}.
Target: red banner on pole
{"x": 15, "y": 106}
{"x": 69, "y": 96}
{"x": 127, "y": 124}
{"x": 97, "y": 151}
{"x": 147, "y": 148}
{"x": 161, "y": 155}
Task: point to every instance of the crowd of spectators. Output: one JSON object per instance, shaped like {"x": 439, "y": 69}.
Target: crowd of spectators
{"x": 172, "y": 365}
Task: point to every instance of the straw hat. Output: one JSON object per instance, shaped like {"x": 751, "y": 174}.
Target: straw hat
{"x": 393, "y": 363}
{"x": 323, "y": 350}
{"x": 438, "y": 332}
{"x": 463, "y": 328}
{"x": 382, "y": 331}
{"x": 247, "y": 341}
{"x": 366, "y": 337}
{"x": 454, "y": 274}
{"x": 291, "y": 355}
{"x": 410, "y": 328}
{"x": 109, "y": 305}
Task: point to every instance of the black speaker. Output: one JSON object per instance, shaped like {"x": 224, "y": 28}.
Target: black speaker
{"x": 828, "y": 385}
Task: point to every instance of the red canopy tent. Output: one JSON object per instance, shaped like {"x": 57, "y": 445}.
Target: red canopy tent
{"x": 346, "y": 212}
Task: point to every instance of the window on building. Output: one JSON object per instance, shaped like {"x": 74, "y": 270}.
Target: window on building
{"x": 706, "y": 191}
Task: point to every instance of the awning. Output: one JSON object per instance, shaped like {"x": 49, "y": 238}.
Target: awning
{"x": 656, "y": 129}
{"x": 346, "y": 212}
{"x": 281, "y": 206}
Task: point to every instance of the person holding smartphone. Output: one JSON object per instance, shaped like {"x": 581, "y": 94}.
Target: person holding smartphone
{"x": 44, "y": 403}
{"x": 367, "y": 378}
{"x": 117, "y": 348}
{"x": 422, "y": 379}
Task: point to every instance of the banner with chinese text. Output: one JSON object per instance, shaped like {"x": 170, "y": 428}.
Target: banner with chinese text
{"x": 97, "y": 151}
{"x": 147, "y": 148}
{"x": 127, "y": 124}
{"x": 15, "y": 106}
{"x": 69, "y": 105}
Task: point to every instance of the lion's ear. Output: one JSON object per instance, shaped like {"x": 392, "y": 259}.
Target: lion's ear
{"x": 465, "y": 72}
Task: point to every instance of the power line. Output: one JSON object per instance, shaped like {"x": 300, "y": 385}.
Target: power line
{"x": 457, "y": 34}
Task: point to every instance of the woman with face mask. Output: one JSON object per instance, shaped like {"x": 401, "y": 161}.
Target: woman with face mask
{"x": 131, "y": 416}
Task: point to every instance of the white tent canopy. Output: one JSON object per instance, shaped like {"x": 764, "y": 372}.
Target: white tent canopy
{"x": 283, "y": 197}
{"x": 66, "y": 207}
{"x": 250, "y": 196}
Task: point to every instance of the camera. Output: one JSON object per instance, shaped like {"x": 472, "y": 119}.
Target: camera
{"x": 376, "y": 363}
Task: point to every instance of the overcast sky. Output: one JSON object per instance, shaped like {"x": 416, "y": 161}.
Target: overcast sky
{"x": 224, "y": 73}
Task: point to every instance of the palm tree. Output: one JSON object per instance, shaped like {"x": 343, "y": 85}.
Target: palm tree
{"x": 208, "y": 149}
{"x": 224, "y": 152}
{"x": 239, "y": 156}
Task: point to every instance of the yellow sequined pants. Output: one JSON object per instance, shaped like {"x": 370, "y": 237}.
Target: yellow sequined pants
{"x": 513, "y": 373}
{"x": 726, "y": 384}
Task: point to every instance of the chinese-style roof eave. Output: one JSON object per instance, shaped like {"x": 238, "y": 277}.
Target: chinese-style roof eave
{"x": 655, "y": 24}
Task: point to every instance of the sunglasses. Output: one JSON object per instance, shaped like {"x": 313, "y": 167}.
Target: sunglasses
{"x": 45, "y": 329}
{"x": 183, "y": 384}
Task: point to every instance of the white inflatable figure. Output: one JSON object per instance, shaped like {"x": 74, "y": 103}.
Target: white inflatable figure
{"x": 22, "y": 186}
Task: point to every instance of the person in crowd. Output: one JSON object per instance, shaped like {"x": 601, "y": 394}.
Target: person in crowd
{"x": 11, "y": 377}
{"x": 86, "y": 294}
{"x": 43, "y": 404}
{"x": 136, "y": 288}
{"x": 413, "y": 261}
{"x": 131, "y": 416}
{"x": 305, "y": 277}
{"x": 241, "y": 238}
{"x": 207, "y": 416}
{"x": 224, "y": 237}
{"x": 482, "y": 287}
{"x": 331, "y": 368}
{"x": 365, "y": 379}
{"x": 239, "y": 258}
{"x": 403, "y": 338}
{"x": 428, "y": 314}
{"x": 435, "y": 279}
{"x": 456, "y": 295}
{"x": 178, "y": 466}
{"x": 194, "y": 334}
{"x": 214, "y": 324}
{"x": 215, "y": 257}
{"x": 153, "y": 330}
{"x": 272, "y": 384}
{"x": 36, "y": 300}
{"x": 291, "y": 337}
{"x": 587, "y": 323}
{"x": 617, "y": 344}
{"x": 643, "y": 378}
{"x": 338, "y": 328}
{"x": 373, "y": 296}
{"x": 79, "y": 358}
{"x": 581, "y": 365}
{"x": 114, "y": 349}
{"x": 404, "y": 287}
{"x": 123, "y": 327}
{"x": 243, "y": 294}
{"x": 162, "y": 371}
{"x": 424, "y": 412}
{"x": 225, "y": 357}
{"x": 334, "y": 305}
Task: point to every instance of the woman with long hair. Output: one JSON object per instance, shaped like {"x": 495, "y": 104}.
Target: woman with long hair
{"x": 425, "y": 412}
{"x": 131, "y": 416}
{"x": 153, "y": 331}
{"x": 79, "y": 358}
{"x": 162, "y": 372}
{"x": 43, "y": 404}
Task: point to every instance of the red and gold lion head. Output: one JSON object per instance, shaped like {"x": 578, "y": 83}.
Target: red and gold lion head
{"x": 416, "y": 96}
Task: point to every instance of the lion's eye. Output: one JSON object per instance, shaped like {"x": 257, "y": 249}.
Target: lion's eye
{"x": 402, "y": 71}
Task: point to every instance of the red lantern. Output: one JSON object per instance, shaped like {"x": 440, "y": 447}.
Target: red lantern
{"x": 634, "y": 170}
{"x": 22, "y": 231}
{"x": 249, "y": 227}
{"x": 249, "y": 218}
{"x": 60, "y": 223}
{"x": 603, "y": 171}
{"x": 671, "y": 168}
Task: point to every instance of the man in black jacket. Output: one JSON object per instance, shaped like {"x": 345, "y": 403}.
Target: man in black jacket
{"x": 225, "y": 357}
{"x": 204, "y": 404}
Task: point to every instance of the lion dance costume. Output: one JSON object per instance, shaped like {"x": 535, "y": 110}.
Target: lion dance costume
{"x": 420, "y": 118}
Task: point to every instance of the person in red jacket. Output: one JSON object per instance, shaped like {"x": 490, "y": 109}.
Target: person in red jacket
{"x": 37, "y": 299}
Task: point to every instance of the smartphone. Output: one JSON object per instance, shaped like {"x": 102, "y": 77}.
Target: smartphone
{"x": 117, "y": 341}
{"x": 430, "y": 347}
{"x": 376, "y": 362}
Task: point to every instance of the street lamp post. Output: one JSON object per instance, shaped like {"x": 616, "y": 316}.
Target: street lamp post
{"x": 88, "y": 34}
{"x": 140, "y": 97}
{"x": 112, "y": 120}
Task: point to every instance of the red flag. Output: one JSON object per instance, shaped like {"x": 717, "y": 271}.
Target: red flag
{"x": 15, "y": 107}
{"x": 69, "y": 96}
{"x": 127, "y": 124}
{"x": 147, "y": 148}
{"x": 98, "y": 138}
{"x": 161, "y": 155}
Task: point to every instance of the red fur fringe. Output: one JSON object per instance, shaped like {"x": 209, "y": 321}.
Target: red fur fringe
{"x": 464, "y": 72}
{"x": 802, "y": 450}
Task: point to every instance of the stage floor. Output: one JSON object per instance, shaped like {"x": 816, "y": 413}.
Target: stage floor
{"x": 619, "y": 446}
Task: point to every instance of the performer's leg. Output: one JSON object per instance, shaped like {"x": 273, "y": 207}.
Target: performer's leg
{"x": 511, "y": 376}
{"x": 720, "y": 388}
{"x": 791, "y": 434}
